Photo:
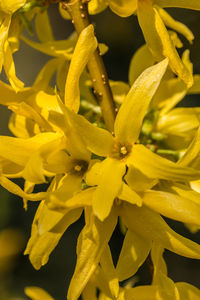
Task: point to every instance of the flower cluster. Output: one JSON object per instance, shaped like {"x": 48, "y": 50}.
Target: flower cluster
{"x": 112, "y": 151}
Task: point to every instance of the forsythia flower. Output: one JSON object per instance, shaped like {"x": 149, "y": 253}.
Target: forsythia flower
{"x": 152, "y": 19}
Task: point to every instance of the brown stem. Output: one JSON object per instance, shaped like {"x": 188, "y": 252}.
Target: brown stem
{"x": 78, "y": 9}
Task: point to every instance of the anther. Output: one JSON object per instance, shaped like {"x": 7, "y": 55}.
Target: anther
{"x": 100, "y": 94}
{"x": 123, "y": 150}
{"x": 116, "y": 109}
{"x": 72, "y": 21}
{"x": 77, "y": 168}
{"x": 103, "y": 76}
{"x": 82, "y": 16}
{"x": 81, "y": 7}
{"x": 94, "y": 80}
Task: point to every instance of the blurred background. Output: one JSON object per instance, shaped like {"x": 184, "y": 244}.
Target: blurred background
{"x": 123, "y": 37}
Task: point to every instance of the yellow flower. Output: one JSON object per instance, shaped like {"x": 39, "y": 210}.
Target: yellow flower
{"x": 165, "y": 125}
{"x": 106, "y": 280}
{"x": 121, "y": 150}
{"x": 152, "y": 19}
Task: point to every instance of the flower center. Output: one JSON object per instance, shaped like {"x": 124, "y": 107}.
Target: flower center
{"x": 79, "y": 167}
{"x": 120, "y": 151}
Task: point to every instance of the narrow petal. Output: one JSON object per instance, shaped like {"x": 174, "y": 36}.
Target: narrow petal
{"x": 142, "y": 293}
{"x": 191, "y": 157}
{"x": 63, "y": 48}
{"x": 9, "y": 68}
{"x": 44, "y": 77}
{"x": 109, "y": 272}
{"x": 175, "y": 25}
{"x": 36, "y": 293}
{"x": 11, "y": 6}
{"x": 155, "y": 166}
{"x": 97, "y": 140}
{"x": 141, "y": 60}
{"x": 131, "y": 114}
{"x": 137, "y": 181}
{"x": 4, "y": 28}
{"x": 169, "y": 93}
{"x": 40, "y": 247}
{"x": 172, "y": 206}
{"x": 123, "y": 8}
{"x": 85, "y": 47}
{"x": 188, "y": 291}
{"x": 151, "y": 226}
{"x": 129, "y": 195}
{"x": 97, "y": 6}
{"x": 43, "y": 27}
{"x": 134, "y": 252}
{"x": 190, "y": 4}
{"x": 15, "y": 189}
{"x": 108, "y": 188}
{"x": 9, "y": 95}
{"x": 91, "y": 243}
{"x": 158, "y": 40}
{"x": 19, "y": 150}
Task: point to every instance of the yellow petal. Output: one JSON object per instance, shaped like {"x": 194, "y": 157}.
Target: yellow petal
{"x": 172, "y": 206}
{"x": 15, "y": 189}
{"x": 178, "y": 121}
{"x": 9, "y": 68}
{"x": 158, "y": 261}
{"x": 158, "y": 40}
{"x": 9, "y": 95}
{"x": 36, "y": 293}
{"x": 130, "y": 116}
{"x": 27, "y": 111}
{"x": 151, "y": 226}
{"x": 169, "y": 93}
{"x": 155, "y": 166}
{"x": 91, "y": 243}
{"x": 108, "y": 188}
{"x": 129, "y": 195}
{"x": 137, "y": 181}
{"x": 191, "y": 157}
{"x": 188, "y": 291}
{"x": 123, "y": 8}
{"x": 4, "y": 27}
{"x": 190, "y": 4}
{"x": 109, "y": 272}
{"x": 143, "y": 293}
{"x": 141, "y": 60}
{"x": 43, "y": 27}
{"x": 19, "y": 150}
{"x": 97, "y": 140}
{"x": 40, "y": 246}
{"x": 195, "y": 89}
{"x": 120, "y": 90}
{"x": 175, "y": 25}
{"x": 10, "y": 6}
{"x": 42, "y": 81}
{"x": 97, "y": 6}
{"x": 134, "y": 252}
{"x": 62, "y": 48}
{"x": 85, "y": 47}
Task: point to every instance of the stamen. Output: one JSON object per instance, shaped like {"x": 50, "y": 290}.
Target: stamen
{"x": 78, "y": 168}
{"x": 123, "y": 150}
